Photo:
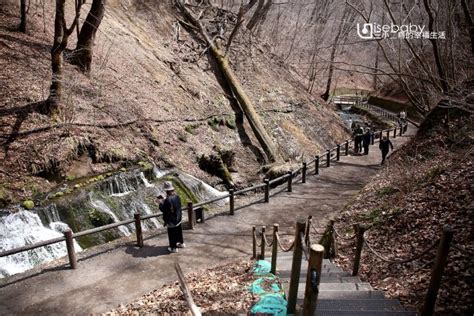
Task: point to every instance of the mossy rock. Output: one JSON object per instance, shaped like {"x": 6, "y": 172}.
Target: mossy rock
{"x": 99, "y": 219}
{"x": 214, "y": 165}
{"x": 28, "y": 204}
{"x": 70, "y": 178}
{"x": 58, "y": 194}
{"x": 145, "y": 165}
{"x": 123, "y": 169}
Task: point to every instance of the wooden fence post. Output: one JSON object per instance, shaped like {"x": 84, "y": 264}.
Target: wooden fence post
{"x": 400, "y": 132}
{"x": 372, "y": 138}
{"x": 395, "y": 132}
{"x": 338, "y": 152}
{"x": 231, "y": 201}
{"x": 303, "y": 177}
{"x": 359, "y": 243}
{"x": 191, "y": 217}
{"x": 71, "y": 253}
{"x": 328, "y": 158}
{"x": 267, "y": 190}
{"x": 347, "y": 147}
{"x": 437, "y": 273}
{"x": 313, "y": 277}
{"x": 296, "y": 267}
{"x": 388, "y": 134}
{"x": 316, "y": 165}
{"x": 290, "y": 181}
{"x": 307, "y": 230}
{"x": 262, "y": 246}
{"x": 254, "y": 243}
{"x": 138, "y": 229}
{"x": 274, "y": 249}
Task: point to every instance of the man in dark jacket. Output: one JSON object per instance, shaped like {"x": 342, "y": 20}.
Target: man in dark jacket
{"x": 358, "y": 136}
{"x": 171, "y": 208}
{"x": 367, "y": 139}
{"x": 385, "y": 145}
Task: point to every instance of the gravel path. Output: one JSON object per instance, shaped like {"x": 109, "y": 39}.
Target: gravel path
{"x": 119, "y": 272}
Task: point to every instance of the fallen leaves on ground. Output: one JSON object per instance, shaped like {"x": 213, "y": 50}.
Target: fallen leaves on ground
{"x": 221, "y": 289}
{"x": 426, "y": 186}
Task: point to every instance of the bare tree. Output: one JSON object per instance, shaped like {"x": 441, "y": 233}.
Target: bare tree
{"x": 61, "y": 36}
{"x": 82, "y": 54}
{"x": 22, "y": 26}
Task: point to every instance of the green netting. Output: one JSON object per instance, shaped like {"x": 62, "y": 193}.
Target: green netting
{"x": 261, "y": 267}
{"x": 270, "y": 304}
{"x": 266, "y": 285}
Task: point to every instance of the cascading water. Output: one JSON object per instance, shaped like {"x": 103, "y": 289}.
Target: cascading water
{"x": 116, "y": 198}
{"x": 102, "y": 207}
{"x": 25, "y": 228}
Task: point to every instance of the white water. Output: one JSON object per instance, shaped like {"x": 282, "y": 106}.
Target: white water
{"x": 102, "y": 207}
{"x": 25, "y": 228}
{"x": 202, "y": 190}
{"x": 145, "y": 180}
{"x": 146, "y": 209}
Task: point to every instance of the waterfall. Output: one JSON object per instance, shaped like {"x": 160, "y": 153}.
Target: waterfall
{"x": 143, "y": 208}
{"x": 25, "y": 228}
{"x": 201, "y": 190}
{"x": 145, "y": 180}
{"x": 102, "y": 207}
{"x": 158, "y": 173}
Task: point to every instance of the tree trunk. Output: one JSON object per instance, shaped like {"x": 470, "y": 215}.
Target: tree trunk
{"x": 434, "y": 43}
{"x": 82, "y": 54}
{"x": 467, "y": 14}
{"x": 22, "y": 26}
{"x": 256, "y": 15}
{"x": 61, "y": 36}
{"x": 325, "y": 95}
{"x": 246, "y": 104}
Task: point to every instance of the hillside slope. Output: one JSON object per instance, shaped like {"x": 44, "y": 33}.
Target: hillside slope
{"x": 152, "y": 95}
{"x": 426, "y": 186}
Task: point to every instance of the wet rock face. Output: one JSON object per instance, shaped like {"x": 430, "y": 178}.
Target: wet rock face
{"x": 105, "y": 200}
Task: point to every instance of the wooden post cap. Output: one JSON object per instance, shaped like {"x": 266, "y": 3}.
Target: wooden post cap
{"x": 317, "y": 248}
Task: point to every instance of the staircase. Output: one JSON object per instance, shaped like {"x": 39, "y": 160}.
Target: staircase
{"x": 339, "y": 292}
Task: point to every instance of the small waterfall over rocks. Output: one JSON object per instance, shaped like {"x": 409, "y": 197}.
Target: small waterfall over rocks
{"x": 110, "y": 199}
{"x": 25, "y": 228}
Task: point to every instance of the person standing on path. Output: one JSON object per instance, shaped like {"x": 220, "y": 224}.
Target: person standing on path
{"x": 367, "y": 139}
{"x": 171, "y": 208}
{"x": 385, "y": 145}
{"x": 358, "y": 135}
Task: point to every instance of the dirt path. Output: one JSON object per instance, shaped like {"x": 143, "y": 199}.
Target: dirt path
{"x": 110, "y": 275}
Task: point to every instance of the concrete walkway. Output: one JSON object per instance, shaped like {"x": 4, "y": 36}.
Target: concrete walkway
{"x": 118, "y": 273}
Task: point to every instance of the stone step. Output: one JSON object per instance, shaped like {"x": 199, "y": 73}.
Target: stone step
{"x": 350, "y": 295}
{"x": 330, "y": 277}
{"x": 323, "y": 287}
{"x": 359, "y": 305}
{"x": 364, "y": 313}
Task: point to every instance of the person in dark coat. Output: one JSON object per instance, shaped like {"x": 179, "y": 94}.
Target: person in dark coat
{"x": 366, "y": 140}
{"x": 358, "y": 136}
{"x": 385, "y": 145}
{"x": 171, "y": 208}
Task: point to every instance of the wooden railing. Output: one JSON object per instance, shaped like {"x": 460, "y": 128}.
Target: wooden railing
{"x": 330, "y": 154}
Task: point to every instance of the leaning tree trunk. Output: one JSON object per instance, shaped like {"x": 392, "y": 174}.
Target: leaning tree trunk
{"x": 246, "y": 104}
{"x": 468, "y": 17}
{"x": 82, "y": 54}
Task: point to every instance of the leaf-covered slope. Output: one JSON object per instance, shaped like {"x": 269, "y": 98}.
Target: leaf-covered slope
{"x": 426, "y": 186}
{"x": 151, "y": 95}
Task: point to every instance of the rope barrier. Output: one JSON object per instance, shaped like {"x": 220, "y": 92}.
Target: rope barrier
{"x": 316, "y": 231}
{"x": 256, "y": 239}
{"x": 463, "y": 250}
{"x": 341, "y": 236}
{"x": 290, "y": 247}
{"x": 304, "y": 246}
{"x": 378, "y": 255}
{"x": 268, "y": 244}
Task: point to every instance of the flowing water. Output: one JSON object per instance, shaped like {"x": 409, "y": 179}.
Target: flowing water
{"x": 25, "y": 228}
{"x": 114, "y": 199}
